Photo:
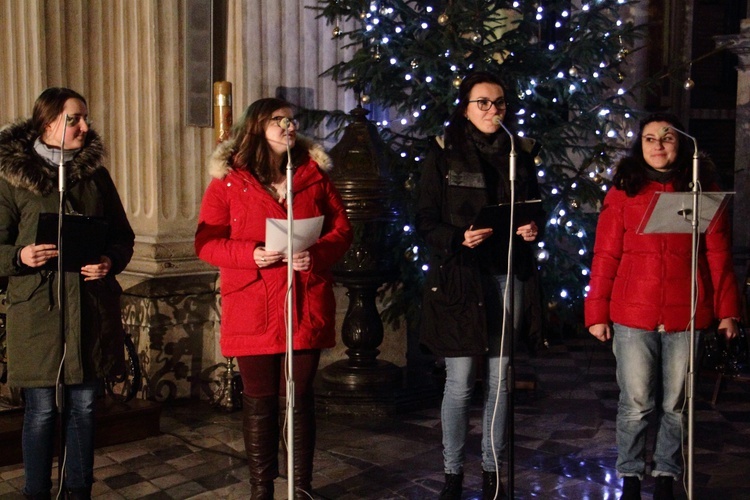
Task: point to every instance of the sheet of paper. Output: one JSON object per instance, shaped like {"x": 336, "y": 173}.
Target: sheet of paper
{"x": 306, "y": 232}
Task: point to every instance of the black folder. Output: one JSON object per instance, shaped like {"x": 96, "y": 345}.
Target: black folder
{"x": 84, "y": 239}
{"x": 498, "y": 216}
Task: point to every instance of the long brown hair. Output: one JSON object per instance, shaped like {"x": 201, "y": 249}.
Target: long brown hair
{"x": 253, "y": 151}
{"x": 49, "y": 105}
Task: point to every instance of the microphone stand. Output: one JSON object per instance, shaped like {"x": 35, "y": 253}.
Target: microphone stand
{"x": 60, "y": 396}
{"x": 509, "y": 305}
{"x": 289, "y": 317}
{"x": 693, "y": 305}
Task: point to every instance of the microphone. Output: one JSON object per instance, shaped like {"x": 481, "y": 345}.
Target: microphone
{"x": 696, "y": 162}
{"x": 61, "y": 167}
{"x": 512, "y": 175}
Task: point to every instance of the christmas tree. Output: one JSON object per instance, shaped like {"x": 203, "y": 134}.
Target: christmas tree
{"x": 564, "y": 66}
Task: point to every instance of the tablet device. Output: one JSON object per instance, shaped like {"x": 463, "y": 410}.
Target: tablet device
{"x": 84, "y": 239}
{"x": 498, "y": 216}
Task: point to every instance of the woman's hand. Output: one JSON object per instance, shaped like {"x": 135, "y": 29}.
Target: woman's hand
{"x": 473, "y": 237}
{"x": 97, "y": 271}
{"x": 264, "y": 258}
{"x": 38, "y": 255}
{"x": 728, "y": 328}
{"x": 301, "y": 261}
{"x": 601, "y": 331}
{"x": 528, "y": 232}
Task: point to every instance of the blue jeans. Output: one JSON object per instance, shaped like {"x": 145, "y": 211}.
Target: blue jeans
{"x": 39, "y": 431}
{"x": 459, "y": 386}
{"x": 651, "y": 368}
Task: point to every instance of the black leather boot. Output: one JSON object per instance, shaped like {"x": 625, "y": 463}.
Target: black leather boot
{"x": 631, "y": 488}
{"x": 454, "y": 485}
{"x": 663, "y": 489}
{"x": 260, "y": 428}
{"x": 490, "y": 485}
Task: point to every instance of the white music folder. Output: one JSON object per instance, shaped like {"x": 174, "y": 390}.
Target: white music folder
{"x": 672, "y": 212}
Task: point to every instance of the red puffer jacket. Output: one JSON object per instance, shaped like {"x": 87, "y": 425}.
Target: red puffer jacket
{"x": 233, "y": 222}
{"x": 643, "y": 280}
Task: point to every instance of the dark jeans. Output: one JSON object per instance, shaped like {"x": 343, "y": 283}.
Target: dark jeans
{"x": 38, "y": 435}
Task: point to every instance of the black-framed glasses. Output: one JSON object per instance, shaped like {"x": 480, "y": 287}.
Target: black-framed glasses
{"x": 486, "y": 104}
{"x": 279, "y": 119}
{"x": 72, "y": 120}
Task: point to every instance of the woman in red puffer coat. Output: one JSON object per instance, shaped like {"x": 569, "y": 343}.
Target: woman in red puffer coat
{"x": 640, "y": 296}
{"x": 249, "y": 186}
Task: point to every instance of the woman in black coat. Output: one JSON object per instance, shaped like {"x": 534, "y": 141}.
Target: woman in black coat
{"x": 462, "y": 317}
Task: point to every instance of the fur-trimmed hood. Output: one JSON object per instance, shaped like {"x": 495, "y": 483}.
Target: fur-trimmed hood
{"x": 21, "y": 167}
{"x": 219, "y": 162}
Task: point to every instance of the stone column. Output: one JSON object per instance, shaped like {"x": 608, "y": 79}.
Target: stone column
{"x": 740, "y": 45}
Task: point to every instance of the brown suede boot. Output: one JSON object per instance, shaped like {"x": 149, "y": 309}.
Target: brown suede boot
{"x": 260, "y": 429}
{"x": 304, "y": 443}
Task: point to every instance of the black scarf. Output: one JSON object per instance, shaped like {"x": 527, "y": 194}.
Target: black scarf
{"x": 491, "y": 153}
{"x": 663, "y": 177}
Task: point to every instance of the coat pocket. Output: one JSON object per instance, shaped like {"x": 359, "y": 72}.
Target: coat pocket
{"x": 21, "y": 288}
{"x": 452, "y": 320}
{"x": 244, "y": 302}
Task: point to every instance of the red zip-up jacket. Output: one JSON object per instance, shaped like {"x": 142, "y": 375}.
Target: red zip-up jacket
{"x": 232, "y": 224}
{"x": 643, "y": 280}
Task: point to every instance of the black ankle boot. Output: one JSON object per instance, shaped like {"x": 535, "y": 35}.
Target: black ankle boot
{"x": 78, "y": 494}
{"x": 490, "y": 485}
{"x": 631, "y": 488}
{"x": 453, "y": 487}
{"x": 47, "y": 495}
{"x": 663, "y": 489}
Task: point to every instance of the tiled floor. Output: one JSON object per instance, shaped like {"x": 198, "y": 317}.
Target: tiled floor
{"x": 565, "y": 445}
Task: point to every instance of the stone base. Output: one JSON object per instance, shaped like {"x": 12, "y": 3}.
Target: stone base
{"x": 344, "y": 375}
{"x": 381, "y": 390}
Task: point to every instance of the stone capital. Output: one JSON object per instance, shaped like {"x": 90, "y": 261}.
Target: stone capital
{"x": 739, "y": 44}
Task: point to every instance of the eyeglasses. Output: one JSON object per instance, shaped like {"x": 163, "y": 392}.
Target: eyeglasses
{"x": 278, "y": 121}
{"x": 72, "y": 120}
{"x": 485, "y": 104}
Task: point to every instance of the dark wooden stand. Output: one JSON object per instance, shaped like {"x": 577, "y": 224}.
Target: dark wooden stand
{"x": 116, "y": 423}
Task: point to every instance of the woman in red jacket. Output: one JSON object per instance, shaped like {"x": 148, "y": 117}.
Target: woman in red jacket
{"x": 640, "y": 284}
{"x": 249, "y": 186}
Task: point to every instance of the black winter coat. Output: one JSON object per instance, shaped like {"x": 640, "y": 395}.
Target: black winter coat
{"x": 452, "y": 192}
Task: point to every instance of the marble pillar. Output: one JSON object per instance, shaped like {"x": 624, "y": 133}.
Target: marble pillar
{"x": 740, "y": 45}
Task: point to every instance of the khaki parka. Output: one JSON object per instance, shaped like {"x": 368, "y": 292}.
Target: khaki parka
{"x": 93, "y": 327}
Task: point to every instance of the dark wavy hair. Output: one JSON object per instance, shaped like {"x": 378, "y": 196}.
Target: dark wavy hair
{"x": 631, "y": 172}
{"x": 253, "y": 153}
{"x": 455, "y": 130}
{"x": 49, "y": 105}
